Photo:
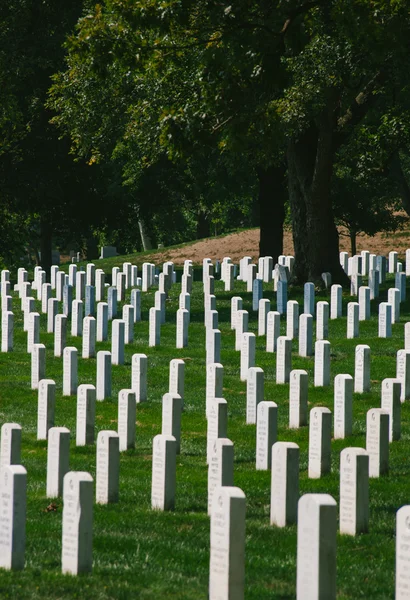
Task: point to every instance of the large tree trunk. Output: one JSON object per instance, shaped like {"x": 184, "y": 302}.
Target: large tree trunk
{"x": 145, "y": 238}
{"x": 271, "y": 203}
{"x": 46, "y": 236}
{"x": 397, "y": 173}
{"x": 316, "y": 240}
{"x": 203, "y": 229}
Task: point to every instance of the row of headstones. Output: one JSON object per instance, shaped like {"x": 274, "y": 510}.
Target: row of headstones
{"x": 316, "y": 516}
{"x": 365, "y": 262}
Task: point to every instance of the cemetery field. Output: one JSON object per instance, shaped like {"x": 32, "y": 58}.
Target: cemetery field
{"x": 147, "y": 554}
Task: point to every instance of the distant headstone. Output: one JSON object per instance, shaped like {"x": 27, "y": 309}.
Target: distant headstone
{"x": 272, "y": 330}
{"x": 283, "y": 359}
{"x": 103, "y": 386}
{"x": 391, "y": 403}
{"x": 117, "y": 342}
{"x": 139, "y": 367}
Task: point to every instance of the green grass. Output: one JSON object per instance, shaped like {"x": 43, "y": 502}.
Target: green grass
{"x": 139, "y": 553}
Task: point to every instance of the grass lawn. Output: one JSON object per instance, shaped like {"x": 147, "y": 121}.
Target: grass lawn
{"x": 140, "y": 553}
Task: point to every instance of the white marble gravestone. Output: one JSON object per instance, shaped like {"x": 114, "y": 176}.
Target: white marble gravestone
{"x": 402, "y": 587}
{"x": 76, "y": 554}
{"x": 163, "y": 485}
{"x": 343, "y": 406}
{"x": 86, "y": 397}
{"x": 377, "y": 441}
{"x": 316, "y": 548}
{"x": 13, "y": 491}
{"x": 320, "y": 432}
{"x": 227, "y": 555}
{"x": 220, "y": 468}
{"x": 266, "y": 433}
{"x": 45, "y": 407}
{"x": 254, "y": 392}
{"x": 139, "y": 368}
{"x": 10, "y": 448}
{"x": 354, "y": 491}
{"x": 362, "y": 369}
{"x": 58, "y": 460}
{"x": 391, "y": 403}
{"x": 284, "y": 483}
{"x": 126, "y": 419}
{"x": 298, "y": 398}
{"x": 171, "y": 417}
{"x": 107, "y": 480}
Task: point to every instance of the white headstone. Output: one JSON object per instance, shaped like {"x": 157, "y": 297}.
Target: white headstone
{"x": 266, "y": 433}
{"x": 248, "y": 349}
{"x": 163, "y": 472}
{"x": 46, "y": 407}
{"x": 352, "y": 320}
{"x": 89, "y": 337}
{"x": 86, "y": 395}
{"x": 76, "y": 555}
{"x": 377, "y": 441}
{"x": 284, "y": 484}
{"x": 403, "y": 373}
{"x": 217, "y": 422}
{"x": 343, "y": 406}
{"x": 385, "y": 319}
{"x": 322, "y": 320}
{"x": 292, "y": 319}
{"x": 13, "y": 486}
{"x": 362, "y": 369}
{"x": 70, "y": 371}
{"x": 254, "y": 392}
{"x": 316, "y": 548}
{"x": 103, "y": 386}
{"x": 107, "y": 480}
{"x": 227, "y": 556}
{"x": 272, "y": 330}
{"x": 220, "y": 469}
{"x": 298, "y": 398}
{"x": 354, "y": 491}
{"x": 154, "y": 327}
{"x": 38, "y": 364}
{"x": 58, "y": 460}
{"x": 391, "y": 403}
{"x": 10, "y": 448}
{"x": 283, "y": 359}
{"x": 126, "y": 419}
{"x": 214, "y": 382}
{"x": 117, "y": 342}
{"x": 320, "y": 434}
{"x": 305, "y": 335}
{"x": 177, "y": 378}
{"x": 322, "y": 363}
{"x": 139, "y": 368}
{"x": 402, "y": 551}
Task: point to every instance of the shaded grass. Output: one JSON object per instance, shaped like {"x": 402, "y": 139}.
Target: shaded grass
{"x": 140, "y": 553}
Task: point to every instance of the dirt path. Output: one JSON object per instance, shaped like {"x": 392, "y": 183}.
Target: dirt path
{"x": 245, "y": 243}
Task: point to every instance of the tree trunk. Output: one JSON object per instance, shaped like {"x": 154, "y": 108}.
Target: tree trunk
{"x": 203, "y": 229}
{"x": 145, "y": 238}
{"x": 46, "y": 246}
{"x": 353, "y": 247}
{"x": 92, "y": 248}
{"x": 310, "y": 160}
{"x": 397, "y": 173}
{"x": 271, "y": 203}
